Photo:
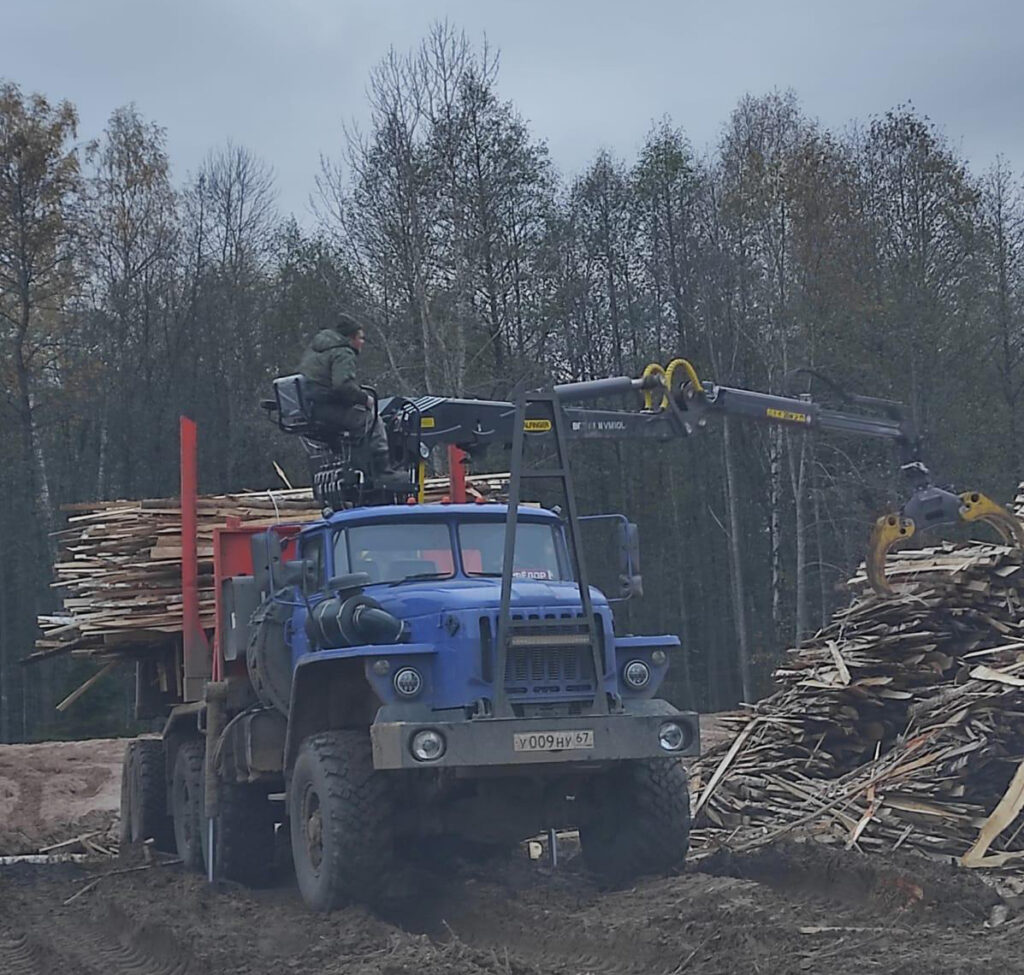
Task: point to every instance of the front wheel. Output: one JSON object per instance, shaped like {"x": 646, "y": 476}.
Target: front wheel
{"x": 340, "y": 810}
{"x": 245, "y": 835}
{"x": 637, "y": 820}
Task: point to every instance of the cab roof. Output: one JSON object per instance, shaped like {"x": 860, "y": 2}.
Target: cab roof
{"x": 434, "y": 512}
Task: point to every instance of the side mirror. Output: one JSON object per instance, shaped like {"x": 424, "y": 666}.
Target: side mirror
{"x": 266, "y": 561}
{"x": 629, "y": 560}
{"x": 614, "y": 555}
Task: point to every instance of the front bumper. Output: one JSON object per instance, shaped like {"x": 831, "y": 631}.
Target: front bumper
{"x": 488, "y": 742}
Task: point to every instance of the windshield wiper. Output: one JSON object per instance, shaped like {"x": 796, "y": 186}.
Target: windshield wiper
{"x": 421, "y": 575}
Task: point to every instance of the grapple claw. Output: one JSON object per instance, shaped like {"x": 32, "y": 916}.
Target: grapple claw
{"x": 889, "y": 530}
{"x": 978, "y": 507}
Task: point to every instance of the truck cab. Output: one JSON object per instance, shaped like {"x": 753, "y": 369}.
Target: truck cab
{"x": 436, "y": 570}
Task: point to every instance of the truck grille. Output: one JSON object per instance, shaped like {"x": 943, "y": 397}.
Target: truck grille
{"x": 543, "y": 671}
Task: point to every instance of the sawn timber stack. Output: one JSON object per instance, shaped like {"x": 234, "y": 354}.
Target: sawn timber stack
{"x": 119, "y": 564}
{"x": 901, "y": 724}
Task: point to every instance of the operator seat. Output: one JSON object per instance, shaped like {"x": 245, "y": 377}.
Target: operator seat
{"x": 340, "y": 459}
{"x": 298, "y": 413}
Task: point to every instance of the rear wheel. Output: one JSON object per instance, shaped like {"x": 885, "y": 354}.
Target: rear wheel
{"x": 187, "y": 803}
{"x": 341, "y": 821}
{"x": 638, "y": 820}
{"x": 144, "y": 795}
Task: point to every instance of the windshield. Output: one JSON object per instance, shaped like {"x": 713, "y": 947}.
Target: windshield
{"x": 393, "y": 553}
{"x": 539, "y": 553}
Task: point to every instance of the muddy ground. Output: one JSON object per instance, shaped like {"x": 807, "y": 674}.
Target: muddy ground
{"x": 56, "y": 789}
{"x": 791, "y": 909}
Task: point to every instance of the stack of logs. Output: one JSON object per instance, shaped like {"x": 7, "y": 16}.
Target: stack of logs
{"x": 901, "y": 724}
{"x": 119, "y": 563}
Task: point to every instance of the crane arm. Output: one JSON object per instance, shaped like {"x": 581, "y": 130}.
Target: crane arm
{"x": 928, "y": 505}
{"x": 677, "y": 404}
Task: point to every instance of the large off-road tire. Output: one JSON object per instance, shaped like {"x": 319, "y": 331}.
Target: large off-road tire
{"x": 187, "y": 803}
{"x": 124, "y": 825}
{"x": 144, "y": 795}
{"x": 341, "y": 813}
{"x": 244, "y": 835}
{"x": 637, "y": 820}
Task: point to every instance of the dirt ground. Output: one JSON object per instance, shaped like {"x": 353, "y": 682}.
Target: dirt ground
{"x": 792, "y": 908}
{"x": 50, "y": 789}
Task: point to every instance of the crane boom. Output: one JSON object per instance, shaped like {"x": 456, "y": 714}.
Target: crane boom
{"x": 677, "y": 404}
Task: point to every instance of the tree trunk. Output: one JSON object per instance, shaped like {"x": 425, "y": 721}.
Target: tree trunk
{"x": 5, "y": 650}
{"x": 775, "y": 526}
{"x": 738, "y": 590}
{"x": 819, "y": 546}
{"x": 682, "y": 595}
{"x": 797, "y": 474}
{"x": 422, "y": 306}
{"x": 44, "y": 498}
{"x": 103, "y": 448}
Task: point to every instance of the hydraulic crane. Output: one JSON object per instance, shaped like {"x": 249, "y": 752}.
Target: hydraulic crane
{"x": 675, "y": 403}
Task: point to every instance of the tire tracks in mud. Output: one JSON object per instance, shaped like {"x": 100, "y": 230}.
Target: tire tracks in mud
{"x": 19, "y": 953}
{"x": 114, "y": 945}
{"x": 783, "y": 913}
{"x": 556, "y": 936}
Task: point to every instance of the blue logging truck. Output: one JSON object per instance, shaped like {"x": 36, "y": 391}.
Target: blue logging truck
{"x": 403, "y": 672}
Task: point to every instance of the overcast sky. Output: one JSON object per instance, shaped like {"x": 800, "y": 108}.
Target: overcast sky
{"x": 281, "y": 77}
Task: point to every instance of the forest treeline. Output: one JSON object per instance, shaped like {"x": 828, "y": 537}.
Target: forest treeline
{"x": 130, "y": 294}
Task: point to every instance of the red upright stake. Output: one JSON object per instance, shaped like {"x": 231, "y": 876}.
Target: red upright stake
{"x": 195, "y": 647}
{"x": 456, "y": 474}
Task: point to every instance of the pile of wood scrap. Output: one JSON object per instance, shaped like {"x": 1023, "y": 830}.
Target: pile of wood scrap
{"x": 901, "y": 724}
{"x": 119, "y": 563}
{"x": 119, "y": 566}
{"x": 97, "y": 842}
{"x": 85, "y": 846}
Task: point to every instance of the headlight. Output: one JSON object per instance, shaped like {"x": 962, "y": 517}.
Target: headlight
{"x": 427, "y": 746}
{"x": 671, "y": 736}
{"x": 408, "y": 682}
{"x": 636, "y": 674}
{"x": 382, "y": 666}
{"x": 658, "y": 658}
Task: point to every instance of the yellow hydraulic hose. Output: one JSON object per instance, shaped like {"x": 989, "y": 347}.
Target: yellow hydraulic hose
{"x": 653, "y": 369}
{"x": 687, "y": 367}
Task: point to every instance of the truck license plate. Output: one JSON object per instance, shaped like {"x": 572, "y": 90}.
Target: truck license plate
{"x": 552, "y": 741}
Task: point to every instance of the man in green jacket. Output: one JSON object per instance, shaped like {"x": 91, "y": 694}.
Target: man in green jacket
{"x": 329, "y": 363}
